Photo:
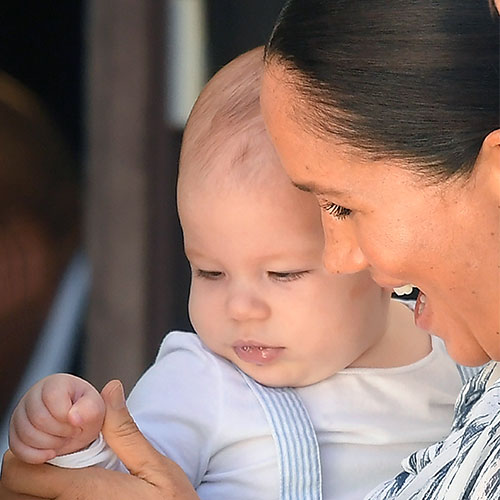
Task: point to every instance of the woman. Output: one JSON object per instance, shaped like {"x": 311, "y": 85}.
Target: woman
{"x": 388, "y": 112}
{"x": 402, "y": 149}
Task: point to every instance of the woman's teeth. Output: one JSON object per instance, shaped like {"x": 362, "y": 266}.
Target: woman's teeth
{"x": 403, "y": 290}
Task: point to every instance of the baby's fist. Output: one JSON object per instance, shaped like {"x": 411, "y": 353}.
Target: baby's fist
{"x": 60, "y": 414}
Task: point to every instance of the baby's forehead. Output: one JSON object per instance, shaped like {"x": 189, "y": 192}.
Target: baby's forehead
{"x": 225, "y": 140}
{"x": 243, "y": 159}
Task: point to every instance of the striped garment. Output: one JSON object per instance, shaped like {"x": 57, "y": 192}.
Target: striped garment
{"x": 466, "y": 464}
{"x": 295, "y": 438}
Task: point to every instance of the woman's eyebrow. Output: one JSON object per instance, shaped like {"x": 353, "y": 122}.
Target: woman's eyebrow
{"x": 311, "y": 187}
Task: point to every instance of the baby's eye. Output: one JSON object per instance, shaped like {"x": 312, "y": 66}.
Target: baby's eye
{"x": 209, "y": 275}
{"x": 286, "y": 276}
{"x": 335, "y": 210}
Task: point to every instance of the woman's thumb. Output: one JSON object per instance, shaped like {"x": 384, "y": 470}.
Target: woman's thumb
{"x": 121, "y": 432}
{"x": 135, "y": 452}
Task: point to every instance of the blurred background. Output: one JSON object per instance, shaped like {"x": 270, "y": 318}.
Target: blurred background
{"x": 93, "y": 99}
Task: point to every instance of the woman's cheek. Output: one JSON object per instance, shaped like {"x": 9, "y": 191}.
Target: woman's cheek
{"x": 387, "y": 249}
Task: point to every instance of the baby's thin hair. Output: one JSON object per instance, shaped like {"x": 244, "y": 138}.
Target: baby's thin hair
{"x": 225, "y": 133}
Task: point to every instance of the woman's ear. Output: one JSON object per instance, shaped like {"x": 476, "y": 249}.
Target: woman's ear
{"x": 490, "y": 156}
{"x": 491, "y": 143}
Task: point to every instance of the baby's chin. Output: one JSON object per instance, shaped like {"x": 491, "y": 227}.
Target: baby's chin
{"x": 279, "y": 376}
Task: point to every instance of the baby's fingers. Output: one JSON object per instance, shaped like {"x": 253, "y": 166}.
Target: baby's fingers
{"x": 31, "y": 436}
{"x": 87, "y": 415}
{"x": 40, "y": 417}
{"x": 88, "y": 412}
{"x": 27, "y": 452}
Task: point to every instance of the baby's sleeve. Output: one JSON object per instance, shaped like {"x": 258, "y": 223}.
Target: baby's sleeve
{"x": 175, "y": 404}
{"x": 98, "y": 453}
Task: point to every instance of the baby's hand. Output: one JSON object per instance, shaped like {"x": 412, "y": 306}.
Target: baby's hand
{"x": 60, "y": 414}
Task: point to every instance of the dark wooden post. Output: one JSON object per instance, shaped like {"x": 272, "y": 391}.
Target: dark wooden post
{"x": 126, "y": 143}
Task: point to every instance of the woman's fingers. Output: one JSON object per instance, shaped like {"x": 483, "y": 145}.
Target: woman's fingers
{"x": 9, "y": 495}
{"x": 154, "y": 477}
{"x": 121, "y": 432}
{"x": 20, "y": 478}
{"x": 21, "y": 481}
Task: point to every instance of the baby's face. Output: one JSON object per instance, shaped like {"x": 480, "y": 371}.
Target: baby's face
{"x": 260, "y": 296}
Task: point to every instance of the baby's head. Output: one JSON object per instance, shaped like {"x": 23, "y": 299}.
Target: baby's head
{"x": 260, "y": 296}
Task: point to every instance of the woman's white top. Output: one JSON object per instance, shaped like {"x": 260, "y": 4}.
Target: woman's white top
{"x": 198, "y": 409}
{"x": 466, "y": 464}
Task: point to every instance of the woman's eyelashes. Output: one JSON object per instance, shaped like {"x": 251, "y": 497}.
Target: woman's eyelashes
{"x": 335, "y": 210}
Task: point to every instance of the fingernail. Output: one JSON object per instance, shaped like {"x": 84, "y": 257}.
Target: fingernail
{"x": 117, "y": 397}
{"x": 75, "y": 417}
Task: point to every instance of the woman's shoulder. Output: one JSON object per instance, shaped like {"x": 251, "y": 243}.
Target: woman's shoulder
{"x": 466, "y": 464}
{"x": 478, "y": 397}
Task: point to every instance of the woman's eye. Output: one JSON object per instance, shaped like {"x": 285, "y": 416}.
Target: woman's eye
{"x": 335, "y": 210}
{"x": 286, "y": 276}
{"x": 209, "y": 275}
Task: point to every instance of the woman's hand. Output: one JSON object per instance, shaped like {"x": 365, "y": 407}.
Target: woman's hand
{"x": 152, "y": 476}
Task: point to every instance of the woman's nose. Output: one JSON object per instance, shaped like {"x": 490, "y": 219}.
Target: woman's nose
{"x": 342, "y": 253}
{"x": 244, "y": 304}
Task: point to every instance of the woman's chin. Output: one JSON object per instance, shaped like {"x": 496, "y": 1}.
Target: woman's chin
{"x": 465, "y": 353}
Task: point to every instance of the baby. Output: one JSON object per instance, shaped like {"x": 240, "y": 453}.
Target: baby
{"x": 299, "y": 384}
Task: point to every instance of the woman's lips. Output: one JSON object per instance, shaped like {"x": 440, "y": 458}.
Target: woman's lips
{"x": 255, "y": 353}
{"x": 423, "y": 313}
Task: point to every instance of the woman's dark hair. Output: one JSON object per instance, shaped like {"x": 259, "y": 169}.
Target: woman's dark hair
{"x": 416, "y": 80}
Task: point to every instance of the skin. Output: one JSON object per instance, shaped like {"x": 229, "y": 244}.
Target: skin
{"x": 353, "y": 326}
{"x": 258, "y": 279}
{"x": 152, "y": 475}
{"x": 60, "y": 414}
{"x": 442, "y": 237}
{"x": 261, "y": 280}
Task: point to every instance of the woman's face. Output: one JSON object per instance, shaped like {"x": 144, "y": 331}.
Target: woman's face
{"x": 442, "y": 237}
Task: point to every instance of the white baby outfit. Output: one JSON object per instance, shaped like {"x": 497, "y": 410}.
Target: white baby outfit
{"x": 224, "y": 429}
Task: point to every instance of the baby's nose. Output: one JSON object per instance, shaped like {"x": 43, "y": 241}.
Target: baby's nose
{"x": 245, "y": 304}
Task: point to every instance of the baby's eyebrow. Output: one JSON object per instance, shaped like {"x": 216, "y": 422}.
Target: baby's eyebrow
{"x": 191, "y": 252}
